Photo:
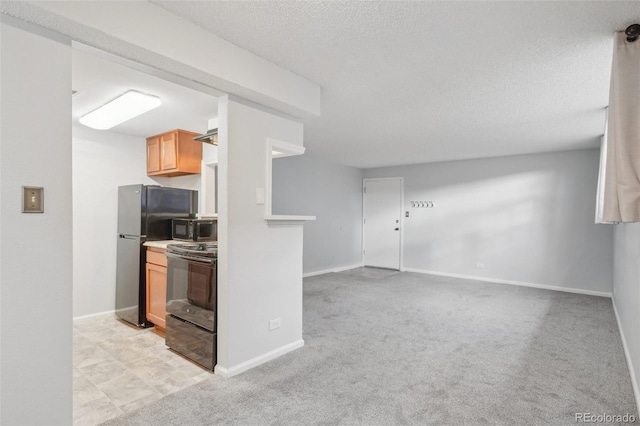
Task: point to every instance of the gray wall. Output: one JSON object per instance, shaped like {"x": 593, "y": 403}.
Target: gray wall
{"x": 626, "y": 291}
{"x": 308, "y": 185}
{"x": 36, "y": 258}
{"x": 527, "y": 218}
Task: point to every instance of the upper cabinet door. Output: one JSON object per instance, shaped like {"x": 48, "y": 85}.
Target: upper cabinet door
{"x": 153, "y": 155}
{"x": 169, "y": 143}
{"x": 173, "y": 153}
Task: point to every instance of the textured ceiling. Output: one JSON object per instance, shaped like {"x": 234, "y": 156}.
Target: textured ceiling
{"x": 412, "y": 82}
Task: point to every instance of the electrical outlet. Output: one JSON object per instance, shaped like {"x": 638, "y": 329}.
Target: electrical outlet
{"x": 480, "y": 265}
{"x": 274, "y": 323}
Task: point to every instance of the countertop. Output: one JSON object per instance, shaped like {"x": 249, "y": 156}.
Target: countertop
{"x": 208, "y": 216}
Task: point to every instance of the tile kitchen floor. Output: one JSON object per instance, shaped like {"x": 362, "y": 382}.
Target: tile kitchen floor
{"x": 118, "y": 368}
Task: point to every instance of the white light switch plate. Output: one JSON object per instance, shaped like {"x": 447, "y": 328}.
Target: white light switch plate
{"x": 259, "y": 196}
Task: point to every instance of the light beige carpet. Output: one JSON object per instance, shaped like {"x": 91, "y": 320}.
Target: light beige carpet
{"x": 386, "y": 348}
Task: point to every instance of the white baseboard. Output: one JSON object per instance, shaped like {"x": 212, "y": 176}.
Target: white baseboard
{"x": 99, "y": 314}
{"x": 328, "y": 271}
{"x": 627, "y": 354}
{"x": 510, "y": 282}
{"x": 254, "y": 362}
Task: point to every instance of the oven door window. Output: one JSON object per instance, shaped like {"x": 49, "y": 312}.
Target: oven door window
{"x": 180, "y": 230}
{"x": 190, "y": 291}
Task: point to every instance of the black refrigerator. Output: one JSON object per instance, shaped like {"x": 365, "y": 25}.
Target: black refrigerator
{"x": 144, "y": 214}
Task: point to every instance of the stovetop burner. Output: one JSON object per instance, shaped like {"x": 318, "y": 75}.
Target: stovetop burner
{"x": 205, "y": 249}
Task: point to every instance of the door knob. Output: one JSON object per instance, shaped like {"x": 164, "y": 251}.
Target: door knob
{"x": 397, "y": 229}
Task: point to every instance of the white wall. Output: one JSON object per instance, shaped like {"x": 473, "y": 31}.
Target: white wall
{"x": 528, "y": 218}
{"x": 626, "y": 293}
{"x": 184, "y": 182}
{"x": 103, "y": 161}
{"x": 308, "y": 185}
{"x": 208, "y": 177}
{"x": 36, "y": 255}
{"x": 259, "y": 264}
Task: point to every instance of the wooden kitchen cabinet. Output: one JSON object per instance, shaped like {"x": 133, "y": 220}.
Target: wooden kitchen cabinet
{"x": 173, "y": 153}
{"x": 156, "y": 287}
{"x": 153, "y": 155}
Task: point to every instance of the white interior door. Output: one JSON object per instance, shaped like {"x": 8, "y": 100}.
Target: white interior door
{"x": 382, "y": 220}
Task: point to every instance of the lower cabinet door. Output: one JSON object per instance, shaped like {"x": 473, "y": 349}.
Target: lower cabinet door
{"x": 156, "y": 295}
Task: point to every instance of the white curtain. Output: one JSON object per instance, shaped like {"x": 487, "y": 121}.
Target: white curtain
{"x": 620, "y": 190}
{"x": 603, "y": 168}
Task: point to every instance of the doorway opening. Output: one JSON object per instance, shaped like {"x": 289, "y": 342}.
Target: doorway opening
{"x": 102, "y": 161}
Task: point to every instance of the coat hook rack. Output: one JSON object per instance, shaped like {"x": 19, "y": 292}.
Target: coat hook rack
{"x": 422, "y": 204}
{"x": 632, "y": 32}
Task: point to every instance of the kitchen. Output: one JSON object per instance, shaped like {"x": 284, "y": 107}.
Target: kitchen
{"x": 103, "y": 161}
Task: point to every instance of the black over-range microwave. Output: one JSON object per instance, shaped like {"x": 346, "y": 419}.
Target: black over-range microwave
{"x": 194, "y": 229}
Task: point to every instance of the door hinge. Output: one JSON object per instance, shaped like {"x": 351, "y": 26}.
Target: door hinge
{"x": 364, "y": 221}
{"x": 364, "y": 190}
{"x": 364, "y": 251}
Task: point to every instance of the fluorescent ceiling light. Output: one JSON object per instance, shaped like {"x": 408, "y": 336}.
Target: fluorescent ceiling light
{"x": 123, "y": 108}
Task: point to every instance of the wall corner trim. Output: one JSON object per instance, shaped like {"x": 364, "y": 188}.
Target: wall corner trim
{"x": 276, "y": 218}
{"x": 260, "y": 359}
{"x": 96, "y": 315}
{"x": 329, "y": 271}
{"x": 511, "y": 282}
{"x": 627, "y": 354}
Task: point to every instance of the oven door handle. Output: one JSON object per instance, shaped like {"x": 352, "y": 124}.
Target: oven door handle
{"x": 191, "y": 258}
